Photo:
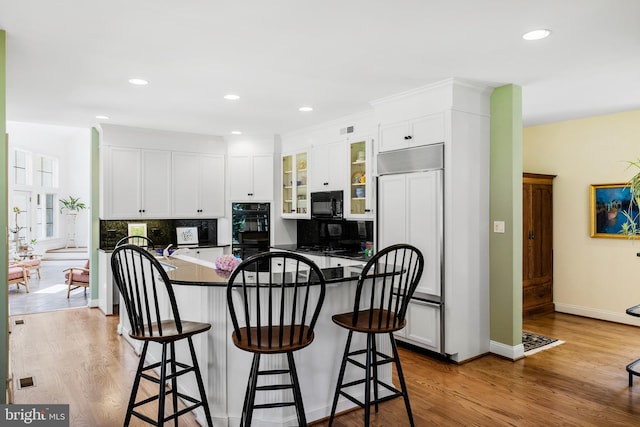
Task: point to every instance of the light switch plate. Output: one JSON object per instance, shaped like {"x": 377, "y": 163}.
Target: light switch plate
{"x": 498, "y": 226}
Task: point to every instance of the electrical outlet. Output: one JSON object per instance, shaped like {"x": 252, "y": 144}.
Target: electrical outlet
{"x": 498, "y": 226}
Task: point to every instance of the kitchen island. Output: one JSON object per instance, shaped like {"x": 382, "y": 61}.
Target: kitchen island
{"x": 201, "y": 296}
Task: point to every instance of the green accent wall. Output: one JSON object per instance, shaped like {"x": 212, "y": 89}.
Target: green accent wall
{"x": 94, "y": 238}
{"x": 4, "y": 220}
{"x": 506, "y": 205}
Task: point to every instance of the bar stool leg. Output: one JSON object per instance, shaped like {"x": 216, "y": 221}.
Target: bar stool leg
{"x": 174, "y": 382}
{"x": 403, "y": 385}
{"x": 203, "y": 395}
{"x": 136, "y": 384}
{"x": 374, "y": 354}
{"x": 250, "y": 396}
{"x": 367, "y": 383}
{"x": 343, "y": 366}
{"x": 297, "y": 393}
{"x": 162, "y": 386}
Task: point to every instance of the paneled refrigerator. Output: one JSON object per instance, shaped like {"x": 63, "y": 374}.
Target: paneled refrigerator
{"x": 410, "y": 210}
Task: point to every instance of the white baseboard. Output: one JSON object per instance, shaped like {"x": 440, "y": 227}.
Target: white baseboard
{"x": 93, "y": 303}
{"x": 609, "y": 316}
{"x": 510, "y": 352}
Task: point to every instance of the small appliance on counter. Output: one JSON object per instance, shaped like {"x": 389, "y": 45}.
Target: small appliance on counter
{"x": 326, "y": 205}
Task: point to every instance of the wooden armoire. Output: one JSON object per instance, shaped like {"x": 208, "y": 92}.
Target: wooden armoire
{"x": 537, "y": 244}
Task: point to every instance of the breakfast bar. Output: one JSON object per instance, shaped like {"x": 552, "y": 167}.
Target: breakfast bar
{"x": 200, "y": 292}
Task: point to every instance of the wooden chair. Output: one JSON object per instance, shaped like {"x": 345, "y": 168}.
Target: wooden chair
{"x": 274, "y": 299}
{"x": 77, "y": 277}
{"x": 32, "y": 263}
{"x": 146, "y": 291}
{"x": 384, "y": 288}
{"x": 18, "y": 274}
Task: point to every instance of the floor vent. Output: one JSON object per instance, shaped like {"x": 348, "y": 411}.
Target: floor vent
{"x": 26, "y": 382}
{"x": 19, "y": 322}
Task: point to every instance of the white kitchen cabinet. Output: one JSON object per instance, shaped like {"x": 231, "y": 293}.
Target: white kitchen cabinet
{"x": 136, "y": 183}
{"x": 422, "y": 130}
{"x": 251, "y": 177}
{"x": 108, "y": 293}
{"x": 198, "y": 185}
{"x": 295, "y": 193}
{"x": 359, "y": 194}
{"x": 328, "y": 166}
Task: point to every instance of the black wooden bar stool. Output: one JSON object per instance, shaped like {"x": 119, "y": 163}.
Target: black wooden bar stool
{"x": 146, "y": 290}
{"x": 384, "y": 289}
{"x": 274, "y": 300}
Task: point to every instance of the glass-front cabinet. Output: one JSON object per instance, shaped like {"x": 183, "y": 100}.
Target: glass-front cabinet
{"x": 295, "y": 197}
{"x": 360, "y": 185}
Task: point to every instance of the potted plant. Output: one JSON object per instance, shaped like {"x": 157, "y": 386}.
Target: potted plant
{"x": 632, "y": 214}
{"x": 72, "y": 205}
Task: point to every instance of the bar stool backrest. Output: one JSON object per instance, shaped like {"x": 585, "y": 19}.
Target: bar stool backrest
{"x": 142, "y": 241}
{"x": 145, "y": 289}
{"x": 386, "y": 285}
{"x": 273, "y": 292}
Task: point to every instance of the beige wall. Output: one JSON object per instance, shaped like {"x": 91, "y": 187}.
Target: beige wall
{"x": 594, "y": 277}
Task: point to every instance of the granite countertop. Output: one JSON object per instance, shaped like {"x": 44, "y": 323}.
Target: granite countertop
{"x": 186, "y": 270}
{"x": 203, "y": 246}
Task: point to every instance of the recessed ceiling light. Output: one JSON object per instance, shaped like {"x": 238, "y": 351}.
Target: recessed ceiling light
{"x": 305, "y": 109}
{"x": 236, "y": 132}
{"x": 536, "y": 34}
{"x": 138, "y": 82}
{"x": 102, "y": 117}
{"x": 231, "y": 97}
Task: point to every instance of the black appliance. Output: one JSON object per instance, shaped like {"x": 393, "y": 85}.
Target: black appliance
{"x": 250, "y": 229}
{"x": 326, "y": 205}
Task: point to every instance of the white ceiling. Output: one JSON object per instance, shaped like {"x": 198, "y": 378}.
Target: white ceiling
{"x": 69, "y": 60}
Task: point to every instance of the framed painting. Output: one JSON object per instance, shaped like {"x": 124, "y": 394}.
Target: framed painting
{"x": 137, "y": 229}
{"x": 609, "y": 203}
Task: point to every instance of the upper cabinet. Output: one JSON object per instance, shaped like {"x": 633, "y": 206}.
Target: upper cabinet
{"x": 359, "y": 194}
{"x": 251, "y": 177}
{"x": 328, "y": 166}
{"x": 422, "y": 130}
{"x": 136, "y": 183}
{"x": 295, "y": 194}
{"x": 198, "y": 185}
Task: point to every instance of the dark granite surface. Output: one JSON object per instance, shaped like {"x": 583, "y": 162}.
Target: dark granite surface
{"x": 338, "y": 253}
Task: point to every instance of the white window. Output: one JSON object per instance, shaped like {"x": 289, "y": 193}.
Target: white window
{"x": 34, "y": 195}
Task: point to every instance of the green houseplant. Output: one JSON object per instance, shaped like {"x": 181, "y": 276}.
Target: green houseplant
{"x": 72, "y": 204}
{"x": 632, "y": 215}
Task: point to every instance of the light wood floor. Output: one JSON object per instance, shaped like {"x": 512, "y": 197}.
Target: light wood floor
{"x": 77, "y": 358}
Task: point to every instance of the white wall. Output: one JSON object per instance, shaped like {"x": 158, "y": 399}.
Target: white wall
{"x": 71, "y": 146}
{"x": 594, "y": 277}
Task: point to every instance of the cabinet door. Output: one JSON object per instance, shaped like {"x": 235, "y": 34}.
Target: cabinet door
{"x": 423, "y": 324}
{"x": 329, "y": 166}
{"x": 391, "y": 213}
{"x": 186, "y": 179}
{"x": 211, "y": 186}
{"x": 424, "y": 222}
{"x": 123, "y": 185}
{"x": 262, "y": 177}
{"x": 426, "y": 130}
{"x": 156, "y": 184}
{"x": 319, "y": 168}
{"x": 393, "y": 136}
{"x": 241, "y": 177}
{"x": 537, "y": 266}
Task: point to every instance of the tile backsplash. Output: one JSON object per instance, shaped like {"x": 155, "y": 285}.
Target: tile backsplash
{"x": 161, "y": 231}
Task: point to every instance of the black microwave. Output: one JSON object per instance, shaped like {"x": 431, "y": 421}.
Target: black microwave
{"x": 326, "y": 205}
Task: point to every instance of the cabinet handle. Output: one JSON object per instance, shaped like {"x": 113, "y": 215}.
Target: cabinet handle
{"x": 409, "y": 137}
{"x": 367, "y": 210}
